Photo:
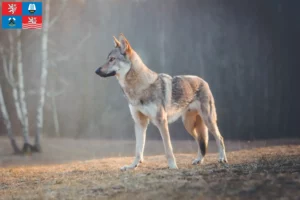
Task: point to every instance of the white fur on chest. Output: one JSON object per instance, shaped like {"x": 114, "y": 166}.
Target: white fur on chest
{"x": 150, "y": 110}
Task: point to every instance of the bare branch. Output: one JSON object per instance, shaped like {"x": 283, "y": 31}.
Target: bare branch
{"x": 52, "y": 63}
{"x": 54, "y": 51}
{"x": 51, "y": 93}
{"x": 63, "y": 81}
{"x": 55, "y": 93}
{"x": 60, "y": 12}
{"x": 60, "y": 92}
{"x": 66, "y": 57}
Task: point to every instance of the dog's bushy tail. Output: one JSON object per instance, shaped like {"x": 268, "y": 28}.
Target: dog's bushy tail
{"x": 203, "y": 142}
{"x": 202, "y": 133}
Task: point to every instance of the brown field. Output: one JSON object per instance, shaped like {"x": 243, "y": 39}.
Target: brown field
{"x": 89, "y": 169}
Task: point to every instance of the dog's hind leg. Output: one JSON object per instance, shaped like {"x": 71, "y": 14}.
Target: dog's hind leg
{"x": 209, "y": 116}
{"x": 196, "y": 128}
{"x": 140, "y": 127}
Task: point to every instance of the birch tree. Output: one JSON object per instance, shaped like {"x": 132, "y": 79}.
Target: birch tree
{"x": 46, "y": 62}
{"x": 53, "y": 93}
{"x": 23, "y": 105}
{"x": 44, "y": 68}
{"x": 8, "y": 72}
{"x": 3, "y": 108}
{"x": 18, "y": 92}
{"x": 7, "y": 123}
{"x": 43, "y": 78}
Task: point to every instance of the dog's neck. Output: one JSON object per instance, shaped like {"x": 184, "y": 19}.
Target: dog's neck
{"x": 139, "y": 76}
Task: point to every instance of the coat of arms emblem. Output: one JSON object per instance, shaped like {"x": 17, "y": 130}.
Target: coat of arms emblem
{"x": 31, "y": 8}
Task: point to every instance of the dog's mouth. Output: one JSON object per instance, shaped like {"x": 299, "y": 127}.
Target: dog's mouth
{"x": 100, "y": 73}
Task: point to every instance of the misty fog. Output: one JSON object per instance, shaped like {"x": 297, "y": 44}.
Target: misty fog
{"x": 246, "y": 50}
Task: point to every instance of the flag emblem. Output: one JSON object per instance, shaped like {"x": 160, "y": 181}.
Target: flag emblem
{"x": 31, "y": 8}
{"x": 11, "y": 8}
{"x": 32, "y": 22}
{"x": 22, "y": 15}
{"x": 11, "y": 21}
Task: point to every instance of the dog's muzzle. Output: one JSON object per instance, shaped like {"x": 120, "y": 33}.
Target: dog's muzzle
{"x": 100, "y": 73}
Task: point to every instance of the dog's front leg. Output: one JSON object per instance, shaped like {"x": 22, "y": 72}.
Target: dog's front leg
{"x": 161, "y": 122}
{"x": 140, "y": 127}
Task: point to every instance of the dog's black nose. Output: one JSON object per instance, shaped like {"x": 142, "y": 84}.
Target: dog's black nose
{"x": 98, "y": 71}
{"x": 102, "y": 74}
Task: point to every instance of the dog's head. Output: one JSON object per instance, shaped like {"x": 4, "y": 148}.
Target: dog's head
{"x": 118, "y": 60}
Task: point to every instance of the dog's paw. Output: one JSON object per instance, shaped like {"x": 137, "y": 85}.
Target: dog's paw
{"x": 127, "y": 167}
{"x": 173, "y": 166}
{"x": 223, "y": 160}
{"x": 197, "y": 161}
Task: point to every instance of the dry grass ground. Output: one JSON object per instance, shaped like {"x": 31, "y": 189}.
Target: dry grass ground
{"x": 78, "y": 169}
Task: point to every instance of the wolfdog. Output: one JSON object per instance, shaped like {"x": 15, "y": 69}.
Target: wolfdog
{"x": 162, "y": 99}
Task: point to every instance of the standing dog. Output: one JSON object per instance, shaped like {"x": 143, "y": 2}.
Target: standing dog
{"x": 162, "y": 99}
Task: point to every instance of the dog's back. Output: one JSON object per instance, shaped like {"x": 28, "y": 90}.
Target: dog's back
{"x": 183, "y": 92}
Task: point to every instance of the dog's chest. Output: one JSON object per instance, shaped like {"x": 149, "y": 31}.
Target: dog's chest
{"x": 142, "y": 101}
{"x": 149, "y": 110}
{"x": 132, "y": 96}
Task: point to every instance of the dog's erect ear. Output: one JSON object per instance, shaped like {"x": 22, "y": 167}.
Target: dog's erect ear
{"x": 125, "y": 46}
{"x": 117, "y": 43}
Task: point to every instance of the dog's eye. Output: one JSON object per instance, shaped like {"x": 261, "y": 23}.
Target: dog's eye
{"x": 111, "y": 59}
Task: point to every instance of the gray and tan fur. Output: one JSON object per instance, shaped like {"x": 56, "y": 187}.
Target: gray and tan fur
{"x": 162, "y": 99}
